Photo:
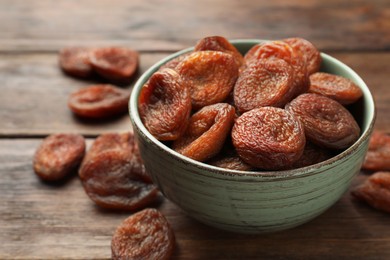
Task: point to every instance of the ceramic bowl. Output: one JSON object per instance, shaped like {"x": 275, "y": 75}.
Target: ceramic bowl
{"x": 254, "y": 202}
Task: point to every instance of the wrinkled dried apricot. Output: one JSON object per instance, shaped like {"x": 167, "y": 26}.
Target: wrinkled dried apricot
{"x": 109, "y": 179}
{"x": 268, "y": 138}
{"x": 231, "y": 162}
{"x": 211, "y": 76}
{"x": 144, "y": 235}
{"x": 164, "y": 105}
{"x": 264, "y": 83}
{"x": 219, "y": 43}
{"x": 206, "y": 132}
{"x": 282, "y": 50}
{"x": 113, "y": 174}
{"x": 309, "y": 52}
{"x": 378, "y": 154}
{"x": 375, "y": 191}
{"x": 327, "y": 123}
{"x": 99, "y": 101}
{"x": 58, "y": 156}
{"x": 172, "y": 64}
{"x": 116, "y": 64}
{"x": 312, "y": 154}
{"x": 74, "y": 61}
{"x": 335, "y": 87}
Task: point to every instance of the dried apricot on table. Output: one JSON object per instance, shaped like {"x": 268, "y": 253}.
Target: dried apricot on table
{"x": 327, "y": 123}
{"x": 264, "y": 83}
{"x": 206, "y": 132}
{"x": 211, "y": 76}
{"x": 125, "y": 184}
{"x": 268, "y": 138}
{"x": 341, "y": 89}
{"x": 378, "y": 154}
{"x": 110, "y": 180}
{"x": 58, "y": 156}
{"x": 116, "y": 64}
{"x": 144, "y": 235}
{"x": 164, "y": 105}
{"x": 75, "y": 61}
{"x": 375, "y": 191}
{"x": 309, "y": 51}
{"x": 99, "y": 101}
{"x": 219, "y": 43}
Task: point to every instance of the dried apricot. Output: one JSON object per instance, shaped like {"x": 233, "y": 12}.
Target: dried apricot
{"x": 230, "y": 161}
{"x": 164, "y": 105}
{"x": 116, "y": 64}
{"x": 282, "y": 50}
{"x": 74, "y": 61}
{"x": 375, "y": 191}
{"x": 268, "y": 138}
{"x": 378, "y": 155}
{"x": 113, "y": 174}
{"x": 250, "y": 55}
{"x": 99, "y": 101}
{"x": 144, "y": 235}
{"x": 109, "y": 179}
{"x": 335, "y": 87}
{"x": 327, "y": 123}
{"x": 206, "y": 132}
{"x": 172, "y": 64}
{"x": 264, "y": 83}
{"x": 309, "y": 52}
{"x": 219, "y": 43}
{"x": 211, "y": 76}
{"x": 312, "y": 154}
{"x": 124, "y": 142}
{"x": 58, "y": 156}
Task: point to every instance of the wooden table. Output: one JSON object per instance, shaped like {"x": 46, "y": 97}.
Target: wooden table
{"x": 40, "y": 221}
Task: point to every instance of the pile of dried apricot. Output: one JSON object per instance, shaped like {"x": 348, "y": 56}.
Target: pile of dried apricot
{"x": 115, "y": 65}
{"x": 271, "y": 106}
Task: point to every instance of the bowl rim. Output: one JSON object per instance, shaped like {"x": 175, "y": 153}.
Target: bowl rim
{"x": 217, "y": 172}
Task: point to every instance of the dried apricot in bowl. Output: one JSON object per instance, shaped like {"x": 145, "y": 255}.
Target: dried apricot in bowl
{"x": 254, "y": 201}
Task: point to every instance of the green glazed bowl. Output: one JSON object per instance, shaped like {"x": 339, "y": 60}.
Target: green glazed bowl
{"x": 254, "y": 202}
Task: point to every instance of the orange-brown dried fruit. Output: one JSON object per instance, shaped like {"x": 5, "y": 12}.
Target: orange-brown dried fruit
{"x": 124, "y": 142}
{"x": 327, "y": 123}
{"x": 312, "y": 154}
{"x": 172, "y": 64}
{"x": 58, "y": 156}
{"x": 264, "y": 83}
{"x": 378, "y": 154}
{"x": 75, "y": 62}
{"x": 230, "y": 161}
{"x": 113, "y": 174}
{"x": 219, "y": 43}
{"x": 116, "y": 64}
{"x": 144, "y": 235}
{"x": 211, "y": 76}
{"x": 206, "y": 132}
{"x": 164, "y": 105}
{"x": 282, "y": 50}
{"x": 309, "y": 52}
{"x": 268, "y": 138}
{"x": 375, "y": 191}
{"x": 99, "y": 101}
{"x": 341, "y": 89}
{"x": 110, "y": 180}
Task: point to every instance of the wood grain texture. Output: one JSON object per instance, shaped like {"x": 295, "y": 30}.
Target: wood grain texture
{"x": 174, "y": 24}
{"x": 34, "y": 93}
{"x": 41, "y": 221}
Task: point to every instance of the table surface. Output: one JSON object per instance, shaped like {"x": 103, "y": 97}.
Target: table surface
{"x": 40, "y": 221}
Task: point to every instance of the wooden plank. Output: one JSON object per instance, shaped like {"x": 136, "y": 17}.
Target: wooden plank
{"x": 41, "y": 221}
{"x": 34, "y": 93}
{"x": 174, "y": 24}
